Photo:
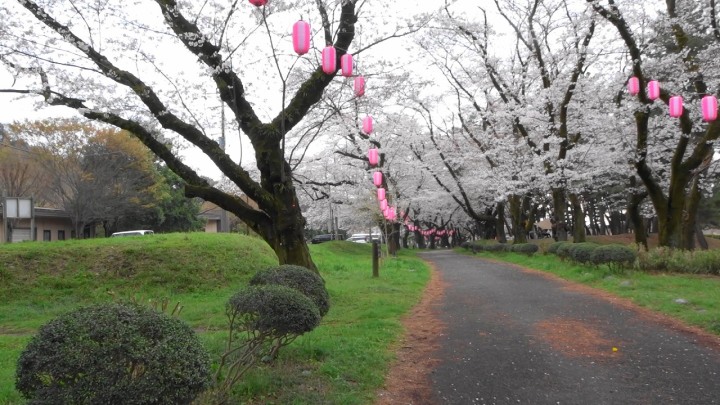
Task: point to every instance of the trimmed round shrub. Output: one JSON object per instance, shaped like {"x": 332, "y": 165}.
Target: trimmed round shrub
{"x": 563, "y": 250}
{"x": 582, "y": 252}
{"x": 614, "y": 255}
{"x": 553, "y": 247}
{"x": 525, "y": 248}
{"x": 300, "y": 278}
{"x": 275, "y": 310}
{"x": 113, "y": 354}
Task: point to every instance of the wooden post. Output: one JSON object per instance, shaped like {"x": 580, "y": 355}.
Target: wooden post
{"x": 375, "y": 259}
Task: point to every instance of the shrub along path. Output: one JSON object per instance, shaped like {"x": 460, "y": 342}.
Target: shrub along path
{"x": 516, "y": 336}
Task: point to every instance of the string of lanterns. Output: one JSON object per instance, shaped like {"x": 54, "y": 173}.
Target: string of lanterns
{"x": 709, "y": 103}
{"x": 301, "y": 35}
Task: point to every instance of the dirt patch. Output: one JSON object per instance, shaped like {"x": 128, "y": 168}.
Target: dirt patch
{"x": 409, "y": 379}
{"x": 574, "y": 338}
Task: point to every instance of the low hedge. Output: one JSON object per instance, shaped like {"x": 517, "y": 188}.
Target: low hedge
{"x": 582, "y": 252}
{"x": 615, "y": 255}
{"x": 525, "y": 248}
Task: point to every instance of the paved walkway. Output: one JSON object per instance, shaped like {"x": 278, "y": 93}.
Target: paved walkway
{"x": 517, "y": 337}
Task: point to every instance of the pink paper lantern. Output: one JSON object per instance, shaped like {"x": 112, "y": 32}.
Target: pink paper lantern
{"x": 709, "y": 108}
{"x": 377, "y": 179}
{"x": 329, "y": 60}
{"x": 633, "y": 86}
{"x": 258, "y": 3}
{"x": 383, "y": 204}
{"x": 381, "y": 193}
{"x": 367, "y": 125}
{"x": 373, "y": 156}
{"x": 359, "y": 86}
{"x": 676, "y": 106}
{"x": 301, "y": 37}
{"x": 346, "y": 65}
{"x": 653, "y": 89}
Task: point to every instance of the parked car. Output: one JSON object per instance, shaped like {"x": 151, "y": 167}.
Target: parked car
{"x": 138, "y": 232}
{"x": 359, "y": 238}
{"x": 321, "y": 238}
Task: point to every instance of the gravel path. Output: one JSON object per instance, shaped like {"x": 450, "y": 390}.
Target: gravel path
{"x": 514, "y": 337}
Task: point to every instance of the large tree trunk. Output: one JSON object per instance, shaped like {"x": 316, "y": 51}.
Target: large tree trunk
{"x": 517, "y": 219}
{"x": 636, "y": 220}
{"x": 559, "y": 208}
{"x": 578, "y": 219}
{"x": 419, "y": 238}
{"x": 500, "y": 223}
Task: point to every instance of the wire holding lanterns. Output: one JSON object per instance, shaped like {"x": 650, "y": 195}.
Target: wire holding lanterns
{"x": 708, "y": 104}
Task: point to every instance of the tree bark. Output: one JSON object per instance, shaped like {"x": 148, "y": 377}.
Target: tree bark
{"x": 578, "y": 218}
{"x": 559, "y": 208}
{"x": 636, "y": 220}
{"x": 517, "y": 218}
{"x": 500, "y": 223}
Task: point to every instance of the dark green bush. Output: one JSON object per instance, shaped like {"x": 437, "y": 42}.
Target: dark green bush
{"x": 681, "y": 261}
{"x": 553, "y": 247}
{"x": 300, "y": 278}
{"x": 274, "y": 310}
{"x": 113, "y": 354}
{"x": 563, "y": 249}
{"x": 525, "y": 248}
{"x": 582, "y": 252}
{"x": 615, "y": 255}
{"x": 496, "y": 247}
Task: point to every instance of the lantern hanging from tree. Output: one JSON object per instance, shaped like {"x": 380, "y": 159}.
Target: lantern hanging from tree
{"x": 367, "y": 125}
{"x": 373, "y": 156}
{"x": 359, "y": 86}
{"x": 653, "y": 89}
{"x": 633, "y": 86}
{"x": 258, "y": 3}
{"x": 676, "y": 106}
{"x": 381, "y": 193}
{"x": 346, "y": 65}
{"x": 709, "y": 108}
{"x": 377, "y": 179}
{"x": 383, "y": 204}
{"x": 329, "y": 60}
{"x": 301, "y": 37}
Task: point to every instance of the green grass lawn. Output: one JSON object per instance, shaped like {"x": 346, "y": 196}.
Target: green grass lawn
{"x": 658, "y": 292}
{"x": 343, "y": 361}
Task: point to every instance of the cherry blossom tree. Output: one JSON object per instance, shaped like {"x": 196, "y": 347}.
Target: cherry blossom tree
{"x": 671, "y": 157}
{"x": 159, "y": 72}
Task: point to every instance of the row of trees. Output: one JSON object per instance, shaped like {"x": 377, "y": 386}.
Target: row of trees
{"x": 527, "y": 117}
{"x": 97, "y": 175}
